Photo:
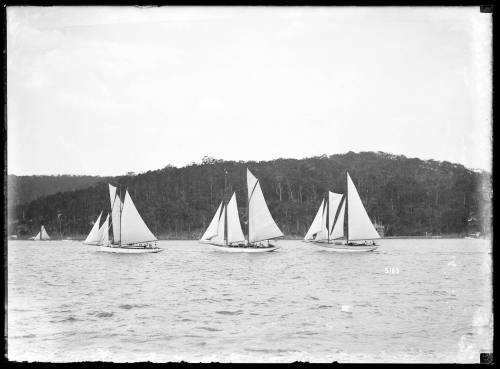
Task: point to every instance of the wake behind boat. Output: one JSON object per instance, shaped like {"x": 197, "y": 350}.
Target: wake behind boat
{"x": 327, "y": 228}
{"x": 224, "y": 232}
{"x": 130, "y": 234}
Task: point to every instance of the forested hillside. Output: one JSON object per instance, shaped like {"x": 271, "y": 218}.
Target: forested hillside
{"x": 408, "y": 196}
{"x": 23, "y": 189}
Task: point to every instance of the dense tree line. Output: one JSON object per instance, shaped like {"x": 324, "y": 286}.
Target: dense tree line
{"x": 409, "y": 196}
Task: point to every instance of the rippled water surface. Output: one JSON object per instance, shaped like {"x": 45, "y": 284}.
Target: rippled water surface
{"x": 411, "y": 301}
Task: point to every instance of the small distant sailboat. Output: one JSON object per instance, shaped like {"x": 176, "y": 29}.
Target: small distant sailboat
{"x": 130, "y": 234}
{"x": 42, "y": 235}
{"x": 327, "y": 228}
{"x": 224, "y": 232}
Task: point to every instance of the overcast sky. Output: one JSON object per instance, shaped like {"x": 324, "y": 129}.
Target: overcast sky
{"x": 106, "y": 90}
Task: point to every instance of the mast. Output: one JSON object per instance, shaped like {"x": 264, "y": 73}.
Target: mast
{"x": 120, "y": 204}
{"x": 59, "y": 215}
{"x": 328, "y": 216}
{"x": 225, "y": 204}
{"x": 248, "y": 216}
{"x": 346, "y": 210}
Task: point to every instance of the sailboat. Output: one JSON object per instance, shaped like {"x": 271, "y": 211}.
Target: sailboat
{"x": 224, "y": 232}
{"x": 42, "y": 235}
{"x": 130, "y": 234}
{"x": 337, "y": 212}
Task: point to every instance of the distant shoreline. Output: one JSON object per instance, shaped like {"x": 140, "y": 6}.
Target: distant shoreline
{"x": 452, "y": 236}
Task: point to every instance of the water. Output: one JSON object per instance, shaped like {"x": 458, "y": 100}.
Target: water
{"x": 411, "y": 301}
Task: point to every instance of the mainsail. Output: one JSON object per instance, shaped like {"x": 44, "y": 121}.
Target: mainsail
{"x": 334, "y": 199}
{"x": 93, "y": 236}
{"x": 212, "y": 227}
{"x": 234, "y": 231}
{"x": 221, "y": 223}
{"x": 261, "y": 225}
{"x": 316, "y": 224}
{"x": 338, "y": 228}
{"x": 112, "y": 194}
{"x": 104, "y": 232}
{"x": 359, "y": 225}
{"x": 323, "y": 233}
{"x": 133, "y": 228}
{"x": 116, "y": 208}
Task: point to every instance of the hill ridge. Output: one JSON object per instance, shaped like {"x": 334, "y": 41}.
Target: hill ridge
{"x": 409, "y": 196}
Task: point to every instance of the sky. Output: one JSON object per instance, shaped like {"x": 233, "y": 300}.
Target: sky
{"x": 108, "y": 90}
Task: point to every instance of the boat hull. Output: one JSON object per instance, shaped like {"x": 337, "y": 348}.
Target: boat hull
{"x": 88, "y": 243}
{"x": 224, "y": 248}
{"x": 129, "y": 250}
{"x": 342, "y": 247}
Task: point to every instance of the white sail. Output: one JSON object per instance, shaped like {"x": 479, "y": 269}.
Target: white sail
{"x": 323, "y": 232}
{"x": 116, "y": 206}
{"x": 261, "y": 225}
{"x": 212, "y": 227}
{"x": 44, "y": 235}
{"x": 333, "y": 205}
{"x": 359, "y": 224}
{"x": 219, "y": 237}
{"x": 115, "y": 218}
{"x": 234, "y": 231}
{"x": 112, "y": 194}
{"x": 133, "y": 228}
{"x": 104, "y": 232}
{"x": 334, "y": 199}
{"x": 316, "y": 224}
{"x": 37, "y": 237}
{"x": 93, "y": 236}
{"x": 338, "y": 228}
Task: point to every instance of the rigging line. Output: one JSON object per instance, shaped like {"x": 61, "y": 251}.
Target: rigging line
{"x": 254, "y": 187}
